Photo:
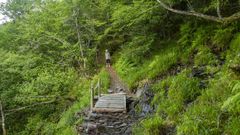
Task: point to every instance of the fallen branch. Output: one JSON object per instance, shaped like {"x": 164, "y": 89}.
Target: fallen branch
{"x": 231, "y": 18}
{"x": 3, "y": 119}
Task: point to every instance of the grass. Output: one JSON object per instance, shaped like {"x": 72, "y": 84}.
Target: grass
{"x": 105, "y": 79}
{"x": 150, "y": 126}
{"x": 204, "y": 57}
{"x": 173, "y": 93}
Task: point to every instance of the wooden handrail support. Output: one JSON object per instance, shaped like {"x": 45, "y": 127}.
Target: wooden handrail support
{"x": 92, "y": 95}
{"x": 99, "y": 88}
{"x": 92, "y": 92}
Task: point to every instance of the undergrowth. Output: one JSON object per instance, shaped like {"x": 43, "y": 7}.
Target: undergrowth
{"x": 163, "y": 58}
{"x": 179, "y": 98}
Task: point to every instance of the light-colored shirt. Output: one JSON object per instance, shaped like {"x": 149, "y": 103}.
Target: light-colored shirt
{"x": 107, "y": 55}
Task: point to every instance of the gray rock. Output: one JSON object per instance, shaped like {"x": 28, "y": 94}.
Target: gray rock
{"x": 110, "y": 126}
{"x": 128, "y": 131}
{"x": 102, "y": 121}
{"x": 110, "y": 91}
{"x": 123, "y": 125}
{"x": 93, "y": 115}
{"x": 139, "y": 93}
{"x": 117, "y": 123}
{"x": 91, "y": 127}
{"x": 80, "y": 128}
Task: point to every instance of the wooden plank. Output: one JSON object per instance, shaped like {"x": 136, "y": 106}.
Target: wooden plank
{"x": 103, "y": 103}
{"x": 113, "y": 96}
{"x": 99, "y": 102}
{"x": 113, "y": 101}
{"x": 109, "y": 105}
{"x": 108, "y": 110}
{"x": 110, "y": 100}
{"x": 121, "y": 98}
{"x": 116, "y": 96}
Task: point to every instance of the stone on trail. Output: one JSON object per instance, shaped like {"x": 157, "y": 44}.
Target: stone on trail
{"x": 91, "y": 127}
{"x": 110, "y": 91}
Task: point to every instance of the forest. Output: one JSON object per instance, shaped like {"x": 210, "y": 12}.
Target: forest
{"x": 186, "y": 51}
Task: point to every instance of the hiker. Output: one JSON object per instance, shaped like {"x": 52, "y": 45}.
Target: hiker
{"x": 108, "y": 59}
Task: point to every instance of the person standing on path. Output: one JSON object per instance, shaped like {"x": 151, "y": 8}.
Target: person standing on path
{"x": 108, "y": 58}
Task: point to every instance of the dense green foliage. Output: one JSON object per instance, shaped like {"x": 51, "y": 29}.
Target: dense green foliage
{"x": 52, "y": 50}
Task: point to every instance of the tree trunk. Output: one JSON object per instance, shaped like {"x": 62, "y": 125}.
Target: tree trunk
{"x": 79, "y": 42}
{"x": 219, "y": 10}
{"x": 3, "y": 119}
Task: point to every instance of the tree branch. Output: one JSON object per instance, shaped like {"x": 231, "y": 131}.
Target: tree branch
{"x": 3, "y": 119}
{"x": 231, "y": 18}
{"x": 49, "y": 35}
{"x": 29, "y": 106}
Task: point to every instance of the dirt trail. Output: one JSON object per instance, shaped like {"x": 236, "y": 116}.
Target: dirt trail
{"x": 108, "y": 123}
{"x": 116, "y": 84}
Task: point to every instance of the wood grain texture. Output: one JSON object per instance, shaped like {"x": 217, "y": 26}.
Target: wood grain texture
{"x": 111, "y": 103}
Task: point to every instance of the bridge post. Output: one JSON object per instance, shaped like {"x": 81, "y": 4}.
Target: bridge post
{"x": 99, "y": 88}
{"x": 92, "y": 95}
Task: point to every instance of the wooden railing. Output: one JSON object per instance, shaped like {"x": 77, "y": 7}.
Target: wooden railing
{"x": 93, "y": 88}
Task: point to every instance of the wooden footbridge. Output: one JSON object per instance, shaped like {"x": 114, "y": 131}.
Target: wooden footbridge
{"x": 114, "y": 102}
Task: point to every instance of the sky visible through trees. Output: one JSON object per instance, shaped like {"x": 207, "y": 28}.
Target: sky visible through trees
{"x": 2, "y": 17}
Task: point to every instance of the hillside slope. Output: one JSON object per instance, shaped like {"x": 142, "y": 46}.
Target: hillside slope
{"x": 195, "y": 91}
